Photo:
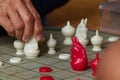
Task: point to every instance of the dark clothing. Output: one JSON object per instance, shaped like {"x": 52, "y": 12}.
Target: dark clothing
{"x": 46, "y": 6}
{"x": 43, "y": 7}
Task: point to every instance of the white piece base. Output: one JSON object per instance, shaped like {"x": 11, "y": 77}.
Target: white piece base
{"x": 51, "y": 51}
{"x": 33, "y": 54}
{"x": 15, "y": 60}
{"x": 67, "y": 41}
{"x": 113, "y": 39}
{"x": 20, "y": 53}
{"x": 96, "y": 49}
{"x": 31, "y": 57}
{"x": 64, "y": 56}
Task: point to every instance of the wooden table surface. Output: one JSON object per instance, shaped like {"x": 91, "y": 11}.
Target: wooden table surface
{"x": 74, "y": 11}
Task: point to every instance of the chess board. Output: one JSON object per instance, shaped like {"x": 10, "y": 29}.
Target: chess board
{"x": 28, "y": 69}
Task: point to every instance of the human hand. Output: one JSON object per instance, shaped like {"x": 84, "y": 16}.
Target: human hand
{"x": 20, "y": 19}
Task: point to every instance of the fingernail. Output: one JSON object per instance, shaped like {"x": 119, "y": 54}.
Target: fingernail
{"x": 25, "y": 39}
{"x": 39, "y": 37}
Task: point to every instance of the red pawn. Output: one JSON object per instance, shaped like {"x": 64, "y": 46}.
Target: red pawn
{"x": 79, "y": 61}
{"x": 46, "y": 78}
{"x": 45, "y": 69}
{"x": 94, "y": 63}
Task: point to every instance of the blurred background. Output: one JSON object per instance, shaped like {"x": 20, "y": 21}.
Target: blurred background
{"x": 74, "y": 11}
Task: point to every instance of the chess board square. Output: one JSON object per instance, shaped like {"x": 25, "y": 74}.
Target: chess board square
{"x": 48, "y": 61}
{"x": 4, "y": 57}
{"x": 27, "y": 74}
{"x": 36, "y": 78}
{"x": 5, "y": 66}
{"x": 12, "y": 70}
{"x": 62, "y": 65}
{"x": 63, "y": 74}
{"x": 77, "y": 72}
{"x": 30, "y": 65}
{"x": 88, "y": 73}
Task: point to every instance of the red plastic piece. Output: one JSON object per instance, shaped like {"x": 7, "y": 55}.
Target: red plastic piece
{"x": 45, "y": 69}
{"x": 94, "y": 63}
{"x": 79, "y": 61}
{"x": 46, "y": 78}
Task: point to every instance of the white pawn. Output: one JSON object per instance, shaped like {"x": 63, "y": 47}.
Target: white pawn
{"x": 97, "y": 42}
{"x": 51, "y": 43}
{"x": 68, "y": 32}
{"x": 19, "y": 45}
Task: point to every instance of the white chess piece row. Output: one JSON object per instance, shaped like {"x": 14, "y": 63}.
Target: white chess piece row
{"x": 29, "y": 49}
{"x": 81, "y": 33}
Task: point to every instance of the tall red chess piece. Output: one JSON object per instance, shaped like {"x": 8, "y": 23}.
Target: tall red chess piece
{"x": 79, "y": 61}
{"x": 94, "y": 63}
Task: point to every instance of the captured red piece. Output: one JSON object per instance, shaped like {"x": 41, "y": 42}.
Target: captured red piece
{"x": 79, "y": 61}
{"x": 94, "y": 63}
{"x": 45, "y": 69}
{"x": 46, "y": 78}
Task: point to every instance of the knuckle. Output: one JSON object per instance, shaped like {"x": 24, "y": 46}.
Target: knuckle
{"x": 29, "y": 19}
{"x": 19, "y": 26}
{"x": 37, "y": 16}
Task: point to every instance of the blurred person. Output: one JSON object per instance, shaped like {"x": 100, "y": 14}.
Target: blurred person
{"x": 109, "y": 65}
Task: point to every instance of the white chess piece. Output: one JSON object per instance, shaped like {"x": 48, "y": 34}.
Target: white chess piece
{"x": 31, "y": 49}
{"x": 1, "y": 64}
{"x": 68, "y": 32}
{"x": 97, "y": 42}
{"x": 81, "y": 32}
{"x": 51, "y": 43}
{"x": 19, "y": 45}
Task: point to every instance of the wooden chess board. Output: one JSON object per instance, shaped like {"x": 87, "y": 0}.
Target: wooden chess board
{"x": 28, "y": 68}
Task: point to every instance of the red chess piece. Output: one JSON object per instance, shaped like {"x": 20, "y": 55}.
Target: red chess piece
{"x": 45, "y": 69}
{"x": 79, "y": 61}
{"x": 94, "y": 63}
{"x": 46, "y": 78}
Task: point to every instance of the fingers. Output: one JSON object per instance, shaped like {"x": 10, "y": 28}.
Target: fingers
{"x": 6, "y": 23}
{"x": 16, "y": 21}
{"x": 28, "y": 20}
{"x": 37, "y": 24}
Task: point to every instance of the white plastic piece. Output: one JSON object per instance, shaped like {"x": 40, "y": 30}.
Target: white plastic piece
{"x": 113, "y": 39}
{"x": 96, "y": 41}
{"x": 64, "y": 56}
{"x": 15, "y": 60}
{"x": 68, "y": 31}
{"x": 1, "y": 64}
{"x": 51, "y": 43}
{"x": 31, "y": 49}
{"x": 19, "y": 45}
{"x": 81, "y": 32}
